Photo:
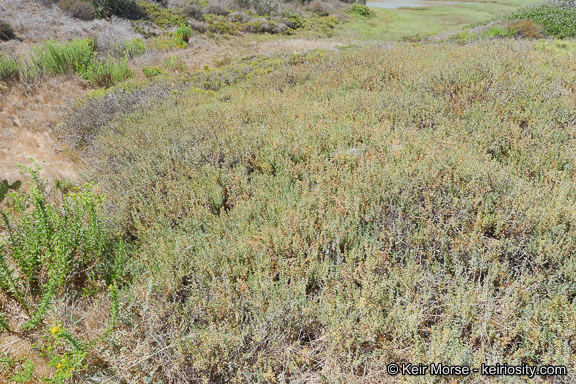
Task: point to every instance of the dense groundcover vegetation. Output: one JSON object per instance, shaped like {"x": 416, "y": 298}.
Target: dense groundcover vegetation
{"x": 402, "y": 203}
{"x": 558, "y": 17}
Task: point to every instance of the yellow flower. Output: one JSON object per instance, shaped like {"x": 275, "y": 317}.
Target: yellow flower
{"x": 54, "y": 330}
{"x": 59, "y": 366}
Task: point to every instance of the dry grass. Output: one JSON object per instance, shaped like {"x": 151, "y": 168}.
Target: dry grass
{"x": 27, "y": 115}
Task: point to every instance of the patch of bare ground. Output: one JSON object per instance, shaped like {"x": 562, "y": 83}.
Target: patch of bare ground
{"x": 27, "y": 114}
{"x": 16, "y": 347}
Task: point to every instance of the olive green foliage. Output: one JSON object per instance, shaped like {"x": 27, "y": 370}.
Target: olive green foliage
{"x": 52, "y": 248}
{"x": 101, "y": 107}
{"x": 6, "y": 31}
{"x": 561, "y": 47}
{"x": 558, "y": 17}
{"x": 167, "y": 41}
{"x": 163, "y": 17}
{"x": 151, "y": 72}
{"x": 409, "y": 203}
{"x": 361, "y": 10}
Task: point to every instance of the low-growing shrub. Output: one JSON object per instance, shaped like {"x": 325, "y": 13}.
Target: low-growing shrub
{"x": 527, "y": 29}
{"x": 151, "y": 72}
{"x": 53, "y": 248}
{"x": 79, "y": 9}
{"x": 557, "y": 17}
{"x": 163, "y": 17}
{"x": 361, "y": 10}
{"x": 408, "y": 214}
{"x": 6, "y": 31}
{"x": 215, "y": 9}
{"x": 166, "y": 42}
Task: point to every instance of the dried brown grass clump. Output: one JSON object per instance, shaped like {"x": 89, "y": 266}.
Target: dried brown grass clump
{"x": 192, "y": 11}
{"x": 78, "y": 9}
{"x": 527, "y": 29}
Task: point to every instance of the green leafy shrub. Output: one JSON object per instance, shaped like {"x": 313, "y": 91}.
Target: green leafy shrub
{"x": 79, "y": 9}
{"x": 5, "y": 187}
{"x": 65, "y": 362}
{"x": 361, "y": 10}
{"x": 6, "y": 31}
{"x": 557, "y": 17}
{"x": 151, "y": 72}
{"x": 52, "y": 246}
{"x": 163, "y": 17}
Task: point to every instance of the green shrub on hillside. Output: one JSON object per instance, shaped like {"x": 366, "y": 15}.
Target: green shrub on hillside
{"x": 558, "y": 17}
{"x": 361, "y": 10}
{"x": 163, "y": 17}
{"x": 53, "y": 248}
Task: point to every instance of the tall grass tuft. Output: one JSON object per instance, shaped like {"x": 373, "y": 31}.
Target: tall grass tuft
{"x": 58, "y": 58}
{"x": 9, "y": 68}
{"x": 107, "y": 73}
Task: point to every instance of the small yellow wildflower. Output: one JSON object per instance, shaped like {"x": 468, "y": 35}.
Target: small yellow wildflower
{"x": 54, "y": 330}
{"x": 59, "y": 366}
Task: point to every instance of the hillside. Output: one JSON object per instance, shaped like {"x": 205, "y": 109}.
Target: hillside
{"x": 310, "y": 207}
